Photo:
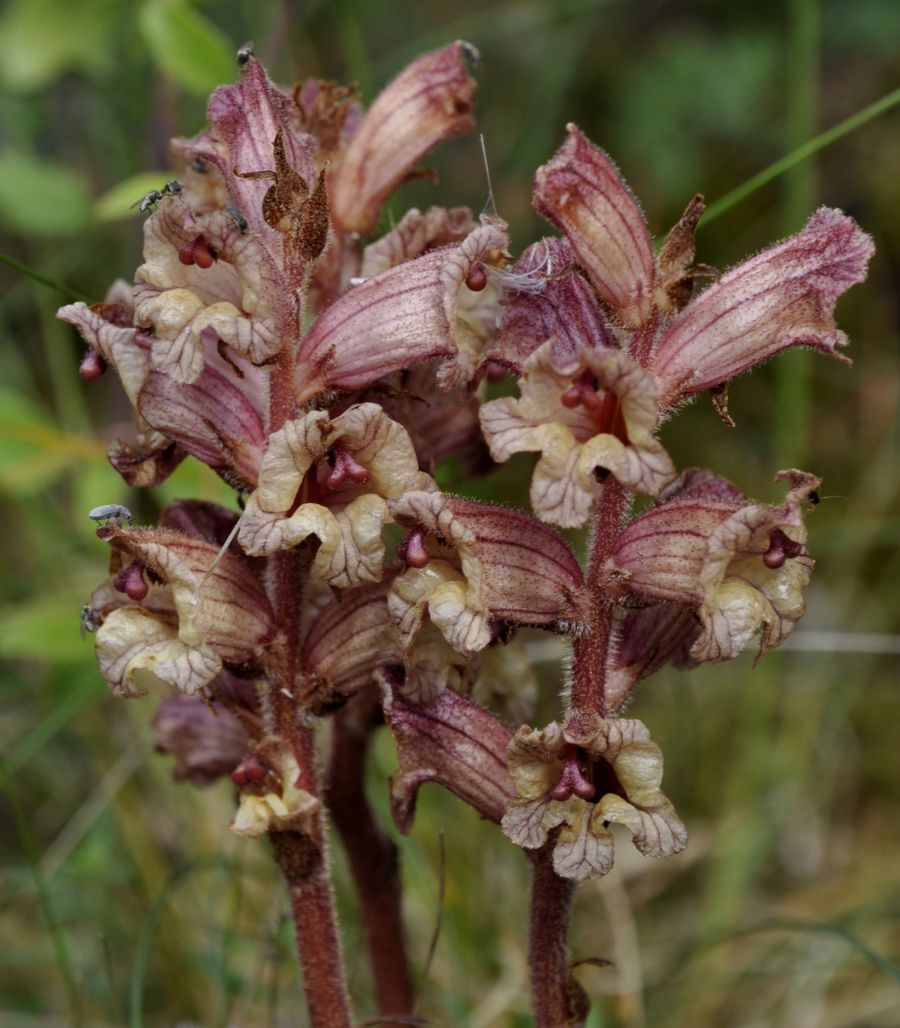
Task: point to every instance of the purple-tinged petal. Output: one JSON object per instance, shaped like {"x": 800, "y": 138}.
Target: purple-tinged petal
{"x": 489, "y": 563}
{"x": 643, "y": 641}
{"x": 397, "y": 319}
{"x": 416, "y": 234}
{"x": 244, "y": 121}
{"x": 785, "y": 296}
{"x": 206, "y": 740}
{"x": 221, "y": 610}
{"x": 741, "y": 567}
{"x": 427, "y": 103}
{"x": 581, "y": 191}
{"x": 211, "y": 419}
{"x": 450, "y": 741}
{"x": 545, "y": 296}
{"x": 349, "y": 640}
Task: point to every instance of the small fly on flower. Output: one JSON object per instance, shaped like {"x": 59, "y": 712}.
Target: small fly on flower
{"x": 88, "y": 621}
{"x": 149, "y": 200}
{"x": 238, "y": 218}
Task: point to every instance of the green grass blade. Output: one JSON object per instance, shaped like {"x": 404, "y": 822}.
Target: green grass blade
{"x": 801, "y": 153}
{"x": 60, "y": 951}
{"x": 67, "y": 291}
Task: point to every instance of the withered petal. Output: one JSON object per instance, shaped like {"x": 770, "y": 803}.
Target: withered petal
{"x": 450, "y": 741}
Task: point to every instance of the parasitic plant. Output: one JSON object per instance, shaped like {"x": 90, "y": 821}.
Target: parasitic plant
{"x": 325, "y": 374}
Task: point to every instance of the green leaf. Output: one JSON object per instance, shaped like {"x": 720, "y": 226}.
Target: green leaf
{"x": 186, "y": 46}
{"x": 33, "y": 452}
{"x": 121, "y": 200}
{"x": 39, "y": 198}
{"x": 44, "y": 38}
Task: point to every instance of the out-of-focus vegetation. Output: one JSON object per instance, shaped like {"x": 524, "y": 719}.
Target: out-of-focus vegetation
{"x": 125, "y": 899}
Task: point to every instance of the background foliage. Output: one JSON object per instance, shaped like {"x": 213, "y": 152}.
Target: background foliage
{"x": 125, "y": 900}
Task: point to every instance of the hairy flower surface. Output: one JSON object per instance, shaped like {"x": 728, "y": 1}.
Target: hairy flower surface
{"x": 453, "y": 742}
{"x": 331, "y": 478}
{"x": 167, "y": 613}
{"x": 582, "y": 776}
{"x": 741, "y": 567}
{"x": 592, "y": 417}
{"x": 471, "y": 565}
{"x": 429, "y": 102}
{"x": 599, "y": 372}
{"x": 326, "y": 374}
{"x": 271, "y": 799}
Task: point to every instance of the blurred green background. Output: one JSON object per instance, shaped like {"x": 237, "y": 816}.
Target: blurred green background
{"x": 125, "y": 900}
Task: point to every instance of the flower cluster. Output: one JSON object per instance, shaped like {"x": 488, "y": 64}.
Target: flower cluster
{"x": 325, "y": 375}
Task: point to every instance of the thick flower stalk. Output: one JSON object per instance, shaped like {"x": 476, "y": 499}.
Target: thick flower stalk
{"x": 326, "y": 377}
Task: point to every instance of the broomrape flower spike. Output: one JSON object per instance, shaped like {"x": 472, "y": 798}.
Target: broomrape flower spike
{"x": 325, "y": 376}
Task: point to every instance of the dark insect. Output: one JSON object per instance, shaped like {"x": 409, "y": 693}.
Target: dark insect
{"x": 149, "y": 200}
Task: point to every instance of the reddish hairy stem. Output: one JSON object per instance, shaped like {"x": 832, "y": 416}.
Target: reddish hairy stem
{"x": 303, "y": 858}
{"x": 373, "y": 859}
{"x": 558, "y": 1001}
{"x": 590, "y": 650}
{"x": 282, "y": 396}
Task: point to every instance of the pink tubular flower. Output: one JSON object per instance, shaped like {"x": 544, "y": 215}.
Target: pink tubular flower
{"x": 783, "y": 297}
{"x": 337, "y": 383}
{"x": 741, "y": 567}
{"x": 427, "y": 103}
{"x": 641, "y": 344}
{"x": 167, "y": 614}
{"x": 581, "y": 191}
{"x": 453, "y": 742}
{"x": 206, "y": 740}
{"x": 406, "y": 314}
{"x": 470, "y": 565}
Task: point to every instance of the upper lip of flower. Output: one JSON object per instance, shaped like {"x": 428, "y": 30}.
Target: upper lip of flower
{"x": 782, "y": 297}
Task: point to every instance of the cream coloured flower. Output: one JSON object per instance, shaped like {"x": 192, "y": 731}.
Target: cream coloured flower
{"x": 581, "y": 777}
{"x": 471, "y": 566}
{"x": 592, "y": 416}
{"x": 331, "y": 478}
{"x": 741, "y": 567}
